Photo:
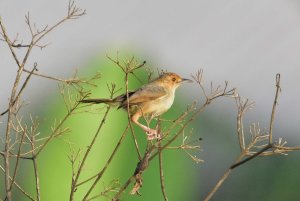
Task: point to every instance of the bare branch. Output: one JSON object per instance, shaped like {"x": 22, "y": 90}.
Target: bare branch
{"x": 221, "y": 181}
{"x": 19, "y": 187}
{"x": 57, "y": 129}
{"x": 251, "y": 157}
{"x": 129, "y": 68}
{"x": 89, "y": 148}
{"x": 7, "y": 40}
{"x": 161, "y": 173}
{"x": 100, "y": 174}
{"x": 278, "y": 89}
{"x": 21, "y": 90}
{"x": 35, "y": 168}
{"x": 18, "y": 159}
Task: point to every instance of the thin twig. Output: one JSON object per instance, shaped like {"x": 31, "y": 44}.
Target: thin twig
{"x": 8, "y": 135}
{"x": 105, "y": 192}
{"x": 278, "y": 89}
{"x": 72, "y": 80}
{"x": 58, "y": 127}
{"x": 129, "y": 119}
{"x": 161, "y": 174}
{"x": 192, "y": 117}
{"x": 296, "y": 148}
{"x": 9, "y": 43}
{"x": 240, "y": 126}
{"x": 22, "y": 88}
{"x": 100, "y": 174}
{"x": 269, "y": 146}
{"x": 87, "y": 152}
{"x": 140, "y": 168}
{"x": 37, "y": 35}
{"x": 129, "y": 69}
{"x": 18, "y": 158}
{"x": 19, "y": 187}
{"x": 46, "y": 76}
{"x": 221, "y": 181}
{"x": 35, "y": 169}
{"x": 109, "y": 160}
{"x": 123, "y": 188}
{"x": 256, "y": 136}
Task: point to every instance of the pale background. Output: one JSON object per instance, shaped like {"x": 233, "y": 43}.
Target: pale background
{"x": 245, "y": 42}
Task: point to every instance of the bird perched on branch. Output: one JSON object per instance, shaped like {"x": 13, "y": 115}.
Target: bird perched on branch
{"x": 152, "y": 99}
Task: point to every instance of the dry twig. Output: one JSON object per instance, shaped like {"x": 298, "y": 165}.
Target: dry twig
{"x": 14, "y": 129}
{"x": 257, "y": 137}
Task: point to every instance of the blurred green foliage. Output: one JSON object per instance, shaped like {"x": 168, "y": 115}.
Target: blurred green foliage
{"x": 55, "y": 167}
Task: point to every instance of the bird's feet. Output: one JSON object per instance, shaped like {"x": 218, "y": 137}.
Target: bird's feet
{"x": 152, "y": 134}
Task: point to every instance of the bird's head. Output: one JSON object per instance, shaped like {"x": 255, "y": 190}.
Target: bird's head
{"x": 172, "y": 80}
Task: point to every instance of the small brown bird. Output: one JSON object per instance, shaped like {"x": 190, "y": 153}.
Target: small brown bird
{"x": 152, "y": 99}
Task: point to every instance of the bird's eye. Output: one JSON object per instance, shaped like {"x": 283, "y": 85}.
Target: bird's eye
{"x": 173, "y": 79}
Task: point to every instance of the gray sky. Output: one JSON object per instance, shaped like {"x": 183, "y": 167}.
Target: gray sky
{"x": 245, "y": 42}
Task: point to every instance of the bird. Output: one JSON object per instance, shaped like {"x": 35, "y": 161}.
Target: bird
{"x": 152, "y": 99}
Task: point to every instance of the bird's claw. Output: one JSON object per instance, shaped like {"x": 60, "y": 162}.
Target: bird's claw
{"x": 152, "y": 134}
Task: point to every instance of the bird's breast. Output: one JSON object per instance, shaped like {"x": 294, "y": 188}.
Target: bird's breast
{"x": 160, "y": 105}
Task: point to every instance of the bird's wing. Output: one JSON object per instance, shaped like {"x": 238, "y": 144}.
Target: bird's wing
{"x": 146, "y": 93}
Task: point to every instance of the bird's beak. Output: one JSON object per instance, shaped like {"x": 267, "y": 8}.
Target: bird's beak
{"x": 184, "y": 80}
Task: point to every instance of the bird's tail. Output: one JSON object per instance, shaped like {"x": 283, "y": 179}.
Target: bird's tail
{"x": 111, "y": 102}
